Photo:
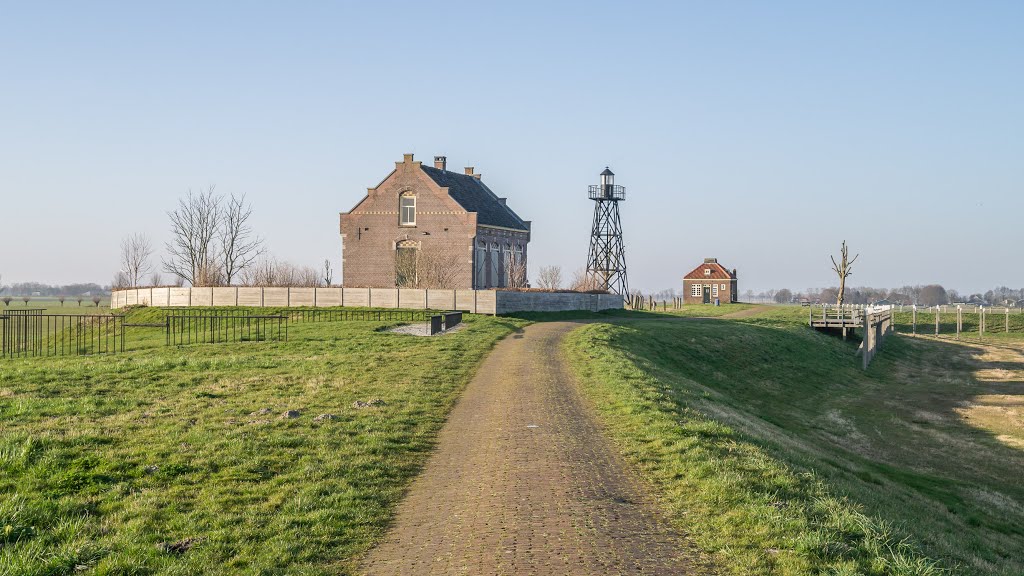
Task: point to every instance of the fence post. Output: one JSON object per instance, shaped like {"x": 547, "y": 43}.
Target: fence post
{"x": 915, "y": 320}
{"x": 1007, "y": 320}
{"x": 936, "y": 320}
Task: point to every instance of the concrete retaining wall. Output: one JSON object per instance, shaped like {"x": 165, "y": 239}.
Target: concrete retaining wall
{"x": 475, "y": 301}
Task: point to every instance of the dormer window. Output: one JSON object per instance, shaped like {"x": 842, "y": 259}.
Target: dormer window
{"x": 707, "y": 271}
{"x": 407, "y": 210}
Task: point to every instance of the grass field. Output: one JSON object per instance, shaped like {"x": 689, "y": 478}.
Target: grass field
{"x": 118, "y": 464}
{"x": 772, "y": 448}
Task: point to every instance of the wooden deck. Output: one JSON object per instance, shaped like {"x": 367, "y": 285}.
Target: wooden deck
{"x": 875, "y": 323}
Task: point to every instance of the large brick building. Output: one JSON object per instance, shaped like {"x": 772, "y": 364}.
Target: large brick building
{"x": 708, "y": 281}
{"x": 430, "y": 228}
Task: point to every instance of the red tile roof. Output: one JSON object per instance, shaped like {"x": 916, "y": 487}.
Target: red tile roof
{"x": 718, "y": 272}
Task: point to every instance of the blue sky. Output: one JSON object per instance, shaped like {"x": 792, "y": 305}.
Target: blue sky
{"x": 760, "y": 133}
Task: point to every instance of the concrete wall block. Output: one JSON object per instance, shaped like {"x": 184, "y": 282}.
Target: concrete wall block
{"x": 356, "y": 297}
{"x": 180, "y": 296}
{"x": 412, "y": 298}
{"x": 328, "y": 297}
{"x": 384, "y": 297}
{"x": 161, "y": 297}
{"x": 438, "y": 299}
{"x": 465, "y": 300}
{"x": 486, "y": 302}
{"x": 250, "y": 297}
{"x": 302, "y": 296}
{"x": 202, "y": 296}
{"x": 225, "y": 296}
{"x": 275, "y": 296}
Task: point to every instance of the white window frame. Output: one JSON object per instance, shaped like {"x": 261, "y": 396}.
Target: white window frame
{"x": 696, "y": 291}
{"x": 723, "y": 286}
{"x": 402, "y": 208}
{"x": 714, "y": 290}
{"x": 707, "y": 271}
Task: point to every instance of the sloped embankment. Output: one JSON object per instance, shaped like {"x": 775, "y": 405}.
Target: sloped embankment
{"x": 779, "y": 456}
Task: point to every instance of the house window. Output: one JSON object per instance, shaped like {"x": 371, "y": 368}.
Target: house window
{"x": 714, "y": 290}
{"x": 695, "y": 290}
{"x": 723, "y": 286}
{"x": 407, "y": 210}
{"x": 481, "y": 265}
{"x": 495, "y": 267}
{"x": 707, "y": 271}
{"x": 406, "y": 253}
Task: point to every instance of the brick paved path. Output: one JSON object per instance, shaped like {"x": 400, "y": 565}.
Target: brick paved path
{"x": 524, "y": 482}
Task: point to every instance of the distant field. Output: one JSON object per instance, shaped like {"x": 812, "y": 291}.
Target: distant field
{"x": 115, "y": 464}
{"x": 53, "y": 306}
{"x": 775, "y": 451}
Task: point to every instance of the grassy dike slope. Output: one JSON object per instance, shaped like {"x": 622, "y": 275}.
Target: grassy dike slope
{"x": 104, "y": 458}
{"x": 772, "y": 448}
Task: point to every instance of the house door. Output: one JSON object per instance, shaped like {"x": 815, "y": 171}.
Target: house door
{"x": 707, "y": 294}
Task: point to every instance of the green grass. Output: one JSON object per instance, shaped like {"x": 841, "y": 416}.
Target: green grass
{"x": 778, "y": 455}
{"x": 102, "y": 458}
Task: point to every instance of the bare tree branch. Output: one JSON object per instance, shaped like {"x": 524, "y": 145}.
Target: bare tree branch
{"x": 136, "y": 251}
{"x": 194, "y": 227}
{"x": 549, "y": 277}
{"x": 238, "y": 247}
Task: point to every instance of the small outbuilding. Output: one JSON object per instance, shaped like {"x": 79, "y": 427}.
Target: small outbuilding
{"x": 708, "y": 282}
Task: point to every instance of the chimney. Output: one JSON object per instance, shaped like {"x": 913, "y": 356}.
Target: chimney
{"x": 440, "y": 162}
{"x": 469, "y": 170}
{"x": 711, "y": 260}
{"x": 406, "y": 157}
{"x": 502, "y": 200}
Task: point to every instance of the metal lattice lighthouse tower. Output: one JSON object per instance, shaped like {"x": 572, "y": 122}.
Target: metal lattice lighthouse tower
{"x": 606, "y": 259}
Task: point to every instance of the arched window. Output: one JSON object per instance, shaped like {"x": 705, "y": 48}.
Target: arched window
{"x": 407, "y": 209}
{"x": 406, "y": 253}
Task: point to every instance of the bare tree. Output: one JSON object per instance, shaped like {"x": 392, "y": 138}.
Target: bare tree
{"x": 7, "y": 301}
{"x": 96, "y": 300}
{"x": 239, "y": 246}
{"x": 25, "y": 299}
{"x": 79, "y": 300}
{"x": 549, "y": 277}
{"x": 120, "y": 281}
{"x": 328, "y": 273}
{"x": 515, "y": 270}
{"x": 844, "y": 269}
{"x": 194, "y": 228}
{"x": 61, "y": 299}
{"x": 436, "y": 269}
{"x": 583, "y": 282}
{"x": 136, "y": 250}
{"x": 156, "y": 279}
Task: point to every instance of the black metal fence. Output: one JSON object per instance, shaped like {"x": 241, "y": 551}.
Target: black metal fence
{"x": 334, "y": 315}
{"x": 313, "y": 314}
{"x": 24, "y": 311}
{"x": 36, "y": 334}
{"x": 216, "y": 328}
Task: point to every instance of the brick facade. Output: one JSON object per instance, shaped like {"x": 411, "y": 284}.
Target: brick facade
{"x": 468, "y": 242}
{"x": 709, "y": 281}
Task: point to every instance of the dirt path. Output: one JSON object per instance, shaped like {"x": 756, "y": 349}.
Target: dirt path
{"x": 524, "y": 482}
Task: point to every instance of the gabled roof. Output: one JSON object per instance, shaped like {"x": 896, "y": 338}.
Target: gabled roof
{"x": 718, "y": 272}
{"x": 471, "y": 193}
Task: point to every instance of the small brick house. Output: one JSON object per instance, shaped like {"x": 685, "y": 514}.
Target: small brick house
{"x": 427, "y": 227}
{"x": 708, "y": 281}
